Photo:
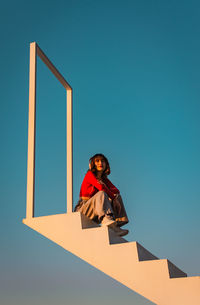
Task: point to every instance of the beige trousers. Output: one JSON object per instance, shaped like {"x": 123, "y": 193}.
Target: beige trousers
{"x": 96, "y": 207}
{"x": 100, "y": 205}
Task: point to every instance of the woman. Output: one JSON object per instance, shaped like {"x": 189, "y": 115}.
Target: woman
{"x": 99, "y": 199}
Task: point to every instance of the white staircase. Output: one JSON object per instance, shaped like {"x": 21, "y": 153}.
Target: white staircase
{"x": 128, "y": 262}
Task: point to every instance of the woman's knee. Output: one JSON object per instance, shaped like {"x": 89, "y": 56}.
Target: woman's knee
{"x": 101, "y": 199}
{"x": 102, "y": 195}
{"x": 102, "y": 204}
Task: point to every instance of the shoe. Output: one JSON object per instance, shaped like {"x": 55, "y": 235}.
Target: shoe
{"x": 120, "y": 232}
{"x": 111, "y": 223}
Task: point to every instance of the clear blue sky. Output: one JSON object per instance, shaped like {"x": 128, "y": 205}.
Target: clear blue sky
{"x": 135, "y": 70}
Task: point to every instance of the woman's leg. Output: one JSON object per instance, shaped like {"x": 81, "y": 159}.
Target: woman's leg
{"x": 97, "y": 206}
{"x": 121, "y": 218}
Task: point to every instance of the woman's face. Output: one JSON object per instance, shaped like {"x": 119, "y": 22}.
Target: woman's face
{"x": 100, "y": 164}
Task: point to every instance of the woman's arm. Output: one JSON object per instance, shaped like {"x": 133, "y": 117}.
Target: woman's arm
{"x": 111, "y": 187}
{"x": 101, "y": 187}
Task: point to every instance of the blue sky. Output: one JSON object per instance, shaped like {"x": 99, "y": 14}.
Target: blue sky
{"x": 134, "y": 68}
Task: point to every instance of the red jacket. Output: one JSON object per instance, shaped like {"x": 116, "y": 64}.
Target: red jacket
{"x": 90, "y": 186}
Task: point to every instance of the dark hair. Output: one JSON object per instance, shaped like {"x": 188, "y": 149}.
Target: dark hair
{"x": 93, "y": 168}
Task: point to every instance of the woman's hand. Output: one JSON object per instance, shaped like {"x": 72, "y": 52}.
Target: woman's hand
{"x": 116, "y": 205}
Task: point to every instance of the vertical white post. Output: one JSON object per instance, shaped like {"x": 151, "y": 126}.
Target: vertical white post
{"x": 31, "y": 133}
{"x": 69, "y": 152}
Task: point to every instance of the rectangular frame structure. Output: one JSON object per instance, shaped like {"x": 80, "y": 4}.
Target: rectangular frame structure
{"x": 30, "y": 196}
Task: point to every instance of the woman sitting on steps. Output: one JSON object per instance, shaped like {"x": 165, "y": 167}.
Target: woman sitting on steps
{"x": 99, "y": 199}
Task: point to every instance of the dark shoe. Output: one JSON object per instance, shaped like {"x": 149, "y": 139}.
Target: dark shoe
{"x": 119, "y": 231}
